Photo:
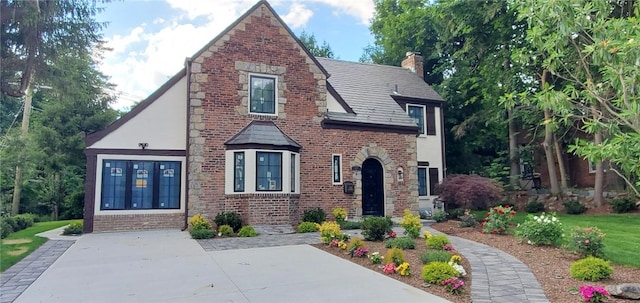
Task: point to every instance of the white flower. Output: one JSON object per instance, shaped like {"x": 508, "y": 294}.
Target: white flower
{"x": 554, "y": 219}
{"x": 539, "y": 220}
{"x": 459, "y": 268}
{"x": 529, "y": 242}
{"x": 535, "y": 218}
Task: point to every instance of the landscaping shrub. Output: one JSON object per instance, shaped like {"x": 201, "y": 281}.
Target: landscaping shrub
{"x": 329, "y": 231}
{"x": 202, "y": 233}
{"x": 375, "y": 228}
{"x": 198, "y": 221}
{"x": 534, "y": 207}
{"x": 411, "y": 224}
{"x": 73, "y": 229}
{"x": 590, "y": 269}
{"x": 5, "y": 228}
{"x": 497, "y": 220}
{"x": 436, "y": 272}
{"x": 468, "y": 220}
{"x": 355, "y": 243}
{"x": 544, "y": 229}
{"x": 395, "y": 256}
{"x": 574, "y": 207}
{"x": 225, "y": 230}
{"x": 439, "y": 216}
{"x": 23, "y": 221}
{"x": 316, "y": 215}
{"x": 437, "y": 241}
{"x": 347, "y": 225}
{"x": 375, "y": 258}
{"x": 12, "y": 222}
{"x": 340, "y": 214}
{"x": 587, "y": 241}
{"x": 402, "y": 243}
{"x": 435, "y": 256}
{"x": 469, "y": 191}
{"x": 308, "y": 227}
{"x": 229, "y": 218}
{"x": 455, "y": 213}
{"x": 623, "y": 205}
{"x": 247, "y": 231}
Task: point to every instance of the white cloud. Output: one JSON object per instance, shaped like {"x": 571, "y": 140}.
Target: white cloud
{"x": 120, "y": 43}
{"x": 361, "y": 9}
{"x": 298, "y": 15}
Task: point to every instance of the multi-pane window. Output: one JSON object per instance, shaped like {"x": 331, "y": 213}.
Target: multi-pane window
{"x": 427, "y": 180}
{"x": 262, "y": 95}
{"x": 293, "y": 173}
{"x": 140, "y": 185}
{"x": 238, "y": 172}
{"x": 422, "y": 181}
{"x": 337, "y": 169}
{"x": 269, "y": 171}
{"x": 416, "y": 113}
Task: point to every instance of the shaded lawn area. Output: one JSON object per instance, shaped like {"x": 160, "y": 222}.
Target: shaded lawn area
{"x": 622, "y": 240}
{"x": 20, "y": 244}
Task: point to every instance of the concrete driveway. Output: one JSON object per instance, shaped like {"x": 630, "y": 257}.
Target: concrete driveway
{"x": 168, "y": 266}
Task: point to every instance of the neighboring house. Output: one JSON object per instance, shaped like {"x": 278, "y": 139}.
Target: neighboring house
{"x": 255, "y": 124}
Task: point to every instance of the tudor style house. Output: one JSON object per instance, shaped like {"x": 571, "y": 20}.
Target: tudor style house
{"x": 257, "y": 125}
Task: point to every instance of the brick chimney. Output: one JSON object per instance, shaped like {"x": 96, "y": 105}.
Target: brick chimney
{"x": 413, "y": 62}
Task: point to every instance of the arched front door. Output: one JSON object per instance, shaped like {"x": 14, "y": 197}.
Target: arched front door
{"x": 372, "y": 188}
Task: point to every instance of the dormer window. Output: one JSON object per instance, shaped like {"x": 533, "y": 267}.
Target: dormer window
{"x": 262, "y": 95}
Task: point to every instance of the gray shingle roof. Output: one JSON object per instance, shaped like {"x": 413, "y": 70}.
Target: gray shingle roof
{"x": 262, "y": 133}
{"x": 367, "y": 89}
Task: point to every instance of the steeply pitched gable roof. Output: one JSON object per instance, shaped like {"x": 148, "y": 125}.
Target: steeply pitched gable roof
{"x": 369, "y": 89}
{"x": 264, "y": 133}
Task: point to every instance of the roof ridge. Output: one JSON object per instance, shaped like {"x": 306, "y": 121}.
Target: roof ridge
{"x": 364, "y": 63}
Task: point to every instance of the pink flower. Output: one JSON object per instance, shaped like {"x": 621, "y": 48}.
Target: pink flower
{"x": 586, "y": 241}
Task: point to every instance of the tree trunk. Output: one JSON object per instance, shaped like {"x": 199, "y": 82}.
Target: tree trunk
{"x": 548, "y": 145}
{"x": 57, "y": 197}
{"x": 561, "y": 165}
{"x": 26, "y": 115}
{"x": 514, "y": 163}
{"x": 599, "y": 182}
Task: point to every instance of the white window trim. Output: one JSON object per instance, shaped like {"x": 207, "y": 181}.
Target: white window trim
{"x": 275, "y": 92}
{"x": 426, "y": 175}
{"x": 98, "y": 195}
{"x": 250, "y": 172}
{"x": 424, "y": 117}
{"x": 333, "y": 181}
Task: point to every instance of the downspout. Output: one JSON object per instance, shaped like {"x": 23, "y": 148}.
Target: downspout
{"x": 188, "y": 111}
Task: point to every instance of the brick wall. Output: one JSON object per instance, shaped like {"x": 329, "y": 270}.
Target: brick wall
{"x": 137, "y": 222}
{"x": 218, "y": 110}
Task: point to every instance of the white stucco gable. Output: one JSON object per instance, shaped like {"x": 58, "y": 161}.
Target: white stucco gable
{"x": 162, "y": 124}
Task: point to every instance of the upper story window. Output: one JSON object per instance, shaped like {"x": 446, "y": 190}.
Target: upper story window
{"x": 262, "y": 95}
{"x": 417, "y": 113}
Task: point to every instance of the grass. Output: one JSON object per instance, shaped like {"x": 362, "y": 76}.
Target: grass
{"x": 11, "y": 254}
{"x": 622, "y": 240}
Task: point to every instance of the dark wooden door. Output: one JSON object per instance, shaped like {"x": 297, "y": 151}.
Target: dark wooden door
{"x": 372, "y": 188}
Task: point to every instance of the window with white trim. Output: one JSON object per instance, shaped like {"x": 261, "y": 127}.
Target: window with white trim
{"x": 269, "y": 171}
{"x": 262, "y": 171}
{"x": 428, "y": 178}
{"x": 417, "y": 113}
{"x": 262, "y": 95}
{"x": 336, "y": 168}
{"x": 293, "y": 173}
{"x": 238, "y": 171}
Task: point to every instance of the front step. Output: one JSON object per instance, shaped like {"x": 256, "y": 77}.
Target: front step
{"x": 274, "y": 229}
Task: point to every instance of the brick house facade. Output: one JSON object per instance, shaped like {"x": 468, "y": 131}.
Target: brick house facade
{"x": 262, "y": 129}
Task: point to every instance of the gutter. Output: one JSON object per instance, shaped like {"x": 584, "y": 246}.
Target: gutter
{"x": 187, "y": 64}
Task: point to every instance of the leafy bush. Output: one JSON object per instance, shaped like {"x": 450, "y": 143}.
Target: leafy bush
{"x": 355, "y": 243}
{"x": 247, "y": 231}
{"x": 347, "y": 225}
{"x": 376, "y": 258}
{"x": 198, "y": 221}
{"x": 534, "y": 207}
{"x": 375, "y": 228}
{"x": 436, "y": 272}
{"x": 544, "y": 229}
{"x": 402, "y": 243}
{"x": 5, "y": 228}
{"x": 455, "y": 213}
{"x": 435, "y": 256}
{"x": 12, "y": 222}
{"x": 411, "y": 224}
{"x": 468, "y": 220}
{"x": 395, "y": 256}
{"x": 340, "y": 214}
{"x": 590, "y": 269}
{"x": 587, "y": 241}
{"x": 316, "y": 215}
{"x": 437, "y": 241}
{"x": 497, "y": 220}
{"x": 329, "y": 231}
{"x": 469, "y": 191}
{"x": 23, "y": 221}
{"x": 574, "y": 207}
{"x": 308, "y": 227}
{"x": 229, "y": 218}
{"x": 73, "y": 229}
{"x": 225, "y": 230}
{"x": 202, "y": 233}
{"x": 623, "y": 205}
{"x": 439, "y": 216}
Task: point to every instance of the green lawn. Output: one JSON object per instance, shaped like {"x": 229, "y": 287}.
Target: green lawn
{"x": 12, "y": 253}
{"x": 622, "y": 240}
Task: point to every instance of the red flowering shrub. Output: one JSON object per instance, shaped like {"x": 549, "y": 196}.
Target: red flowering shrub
{"x": 470, "y": 191}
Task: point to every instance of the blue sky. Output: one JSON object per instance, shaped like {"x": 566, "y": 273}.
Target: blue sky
{"x": 151, "y": 39}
